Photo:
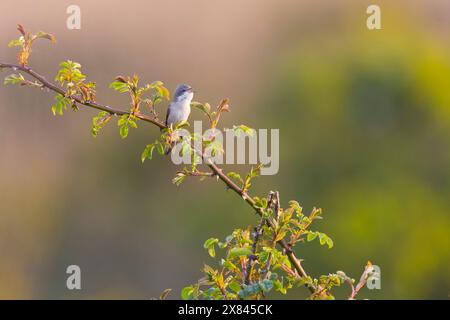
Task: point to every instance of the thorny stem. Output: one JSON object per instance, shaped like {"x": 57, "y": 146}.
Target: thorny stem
{"x": 352, "y": 287}
{"x": 199, "y": 174}
{"x": 256, "y": 233}
{"x": 273, "y": 200}
{"x": 214, "y": 168}
{"x": 91, "y": 104}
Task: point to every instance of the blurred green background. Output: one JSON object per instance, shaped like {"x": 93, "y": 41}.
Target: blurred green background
{"x": 364, "y": 119}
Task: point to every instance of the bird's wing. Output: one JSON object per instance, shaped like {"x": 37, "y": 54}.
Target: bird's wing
{"x": 168, "y": 113}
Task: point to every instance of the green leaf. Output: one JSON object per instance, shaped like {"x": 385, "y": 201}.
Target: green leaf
{"x": 163, "y": 91}
{"x": 260, "y": 202}
{"x": 124, "y": 131}
{"x": 179, "y": 178}
{"x": 238, "y": 130}
{"x": 263, "y": 256}
{"x": 210, "y": 242}
{"x": 206, "y": 108}
{"x": 156, "y": 99}
{"x": 124, "y": 123}
{"x": 61, "y": 103}
{"x": 235, "y": 176}
{"x": 187, "y": 293}
{"x": 235, "y": 286}
{"x": 123, "y": 120}
{"x": 229, "y": 265}
{"x": 13, "y": 79}
{"x": 70, "y": 75}
{"x": 322, "y": 238}
{"x": 215, "y": 147}
{"x": 99, "y": 121}
{"x": 330, "y": 243}
{"x": 119, "y": 86}
{"x": 148, "y": 152}
{"x": 212, "y": 251}
{"x": 295, "y": 205}
{"x": 311, "y": 236}
{"x": 278, "y": 284}
{"x": 16, "y": 42}
{"x": 132, "y": 123}
{"x": 182, "y": 124}
{"x": 45, "y": 35}
{"x": 280, "y": 235}
{"x": 238, "y": 252}
{"x": 156, "y": 83}
{"x": 159, "y": 147}
{"x": 69, "y": 64}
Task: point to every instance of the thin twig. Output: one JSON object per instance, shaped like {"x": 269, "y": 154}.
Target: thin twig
{"x": 256, "y": 234}
{"x": 91, "y": 104}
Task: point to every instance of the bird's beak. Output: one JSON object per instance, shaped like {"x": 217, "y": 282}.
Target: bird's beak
{"x": 191, "y": 90}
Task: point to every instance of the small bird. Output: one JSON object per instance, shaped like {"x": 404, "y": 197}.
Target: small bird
{"x": 179, "y": 109}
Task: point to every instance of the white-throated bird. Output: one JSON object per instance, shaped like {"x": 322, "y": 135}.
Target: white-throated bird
{"x": 179, "y": 108}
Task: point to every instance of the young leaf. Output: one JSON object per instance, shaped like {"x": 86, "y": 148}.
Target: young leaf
{"x": 311, "y": 236}
{"x": 187, "y": 293}
{"x": 210, "y": 242}
{"x": 235, "y": 286}
{"x": 237, "y": 252}
{"x": 206, "y": 108}
{"x": 124, "y": 131}
{"x": 61, "y": 103}
{"x": 16, "y": 42}
{"x": 99, "y": 121}
{"x": 235, "y": 176}
{"x": 148, "y": 152}
{"x": 329, "y": 243}
{"x": 132, "y": 123}
{"x": 13, "y": 79}
{"x": 179, "y": 178}
{"x": 45, "y": 35}
{"x": 163, "y": 91}
{"x": 209, "y": 245}
{"x": 238, "y": 130}
{"x": 120, "y": 86}
{"x": 159, "y": 147}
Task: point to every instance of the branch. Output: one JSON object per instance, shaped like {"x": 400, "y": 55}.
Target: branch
{"x": 90, "y": 104}
{"x": 256, "y": 233}
{"x": 214, "y": 168}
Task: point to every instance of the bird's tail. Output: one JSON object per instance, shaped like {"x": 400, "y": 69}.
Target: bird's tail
{"x": 168, "y": 149}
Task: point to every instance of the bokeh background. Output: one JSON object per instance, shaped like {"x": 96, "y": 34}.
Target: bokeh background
{"x": 364, "y": 119}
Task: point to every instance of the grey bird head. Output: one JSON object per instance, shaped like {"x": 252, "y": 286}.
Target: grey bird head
{"x": 182, "y": 92}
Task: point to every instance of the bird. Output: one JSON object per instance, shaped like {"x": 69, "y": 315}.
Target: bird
{"x": 179, "y": 108}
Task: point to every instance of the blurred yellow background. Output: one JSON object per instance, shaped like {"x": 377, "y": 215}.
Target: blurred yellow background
{"x": 364, "y": 119}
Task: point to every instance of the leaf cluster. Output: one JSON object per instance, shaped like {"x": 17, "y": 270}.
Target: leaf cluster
{"x": 25, "y": 42}
{"x": 251, "y": 265}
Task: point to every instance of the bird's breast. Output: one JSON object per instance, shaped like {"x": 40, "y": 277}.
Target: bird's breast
{"x": 179, "y": 111}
